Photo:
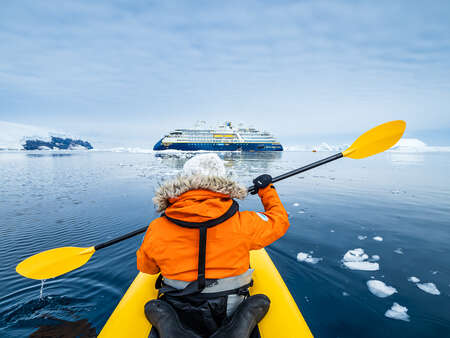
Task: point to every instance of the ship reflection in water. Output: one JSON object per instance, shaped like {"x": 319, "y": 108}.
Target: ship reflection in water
{"x": 239, "y": 164}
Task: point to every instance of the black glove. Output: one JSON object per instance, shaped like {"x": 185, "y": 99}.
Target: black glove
{"x": 261, "y": 182}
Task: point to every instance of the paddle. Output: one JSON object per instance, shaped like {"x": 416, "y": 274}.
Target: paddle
{"x": 372, "y": 142}
{"x": 56, "y": 262}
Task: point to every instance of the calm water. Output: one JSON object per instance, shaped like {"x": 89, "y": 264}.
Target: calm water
{"x": 50, "y": 200}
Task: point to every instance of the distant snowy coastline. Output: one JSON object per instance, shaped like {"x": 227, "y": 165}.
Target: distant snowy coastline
{"x": 405, "y": 145}
{"x": 15, "y": 136}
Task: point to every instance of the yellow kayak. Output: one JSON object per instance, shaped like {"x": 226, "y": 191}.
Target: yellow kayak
{"x": 283, "y": 320}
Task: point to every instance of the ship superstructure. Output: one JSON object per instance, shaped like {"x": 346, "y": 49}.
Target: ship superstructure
{"x": 225, "y": 137}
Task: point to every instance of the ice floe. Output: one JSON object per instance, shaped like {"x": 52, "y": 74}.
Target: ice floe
{"x": 378, "y": 238}
{"x": 429, "y": 288}
{"x": 307, "y": 258}
{"x": 355, "y": 255}
{"x": 356, "y": 259}
{"x": 375, "y": 257}
{"x": 399, "y": 251}
{"x": 380, "y": 289}
{"x": 296, "y": 204}
{"x": 361, "y": 237}
{"x": 398, "y": 312}
{"x": 364, "y": 266}
{"x": 413, "y": 279}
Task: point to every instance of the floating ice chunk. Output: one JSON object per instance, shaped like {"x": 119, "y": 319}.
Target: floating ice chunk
{"x": 378, "y": 238}
{"x": 361, "y": 237}
{"x": 397, "y": 312}
{"x": 379, "y": 289}
{"x": 355, "y": 255}
{"x": 413, "y": 279}
{"x": 345, "y": 294}
{"x": 332, "y": 230}
{"x": 375, "y": 257}
{"x": 429, "y": 288}
{"x": 301, "y": 212}
{"x": 296, "y": 204}
{"x": 364, "y": 266}
{"x": 307, "y": 258}
{"x": 356, "y": 260}
{"x": 399, "y": 251}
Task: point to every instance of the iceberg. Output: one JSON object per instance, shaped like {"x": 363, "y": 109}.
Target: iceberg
{"x": 415, "y": 145}
{"x": 16, "y": 136}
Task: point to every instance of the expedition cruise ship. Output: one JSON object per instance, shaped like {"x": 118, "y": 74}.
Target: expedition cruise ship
{"x": 225, "y": 137}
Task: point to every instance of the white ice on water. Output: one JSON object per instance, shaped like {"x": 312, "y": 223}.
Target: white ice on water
{"x": 375, "y": 257}
{"x": 363, "y": 266}
{"x": 378, "y": 238}
{"x": 296, "y": 204}
{"x": 356, "y": 259}
{"x": 361, "y": 237}
{"x": 398, "y": 312}
{"x": 399, "y": 251}
{"x": 429, "y": 288}
{"x": 355, "y": 255}
{"x": 413, "y": 279}
{"x": 380, "y": 289}
{"x": 307, "y": 258}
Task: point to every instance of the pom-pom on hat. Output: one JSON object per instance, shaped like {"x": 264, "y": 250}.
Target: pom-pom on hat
{"x": 205, "y": 165}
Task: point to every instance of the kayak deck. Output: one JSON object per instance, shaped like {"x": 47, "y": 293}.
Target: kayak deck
{"x": 283, "y": 319}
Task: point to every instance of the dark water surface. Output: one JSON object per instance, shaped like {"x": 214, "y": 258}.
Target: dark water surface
{"x": 51, "y": 199}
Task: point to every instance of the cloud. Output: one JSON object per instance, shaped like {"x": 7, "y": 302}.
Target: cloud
{"x": 296, "y": 67}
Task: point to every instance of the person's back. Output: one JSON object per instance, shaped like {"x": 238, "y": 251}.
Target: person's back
{"x": 204, "y": 195}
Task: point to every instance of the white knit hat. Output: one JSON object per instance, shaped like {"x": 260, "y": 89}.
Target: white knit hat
{"x": 205, "y": 165}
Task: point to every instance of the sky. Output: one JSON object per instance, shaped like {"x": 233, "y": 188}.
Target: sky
{"x": 127, "y": 72}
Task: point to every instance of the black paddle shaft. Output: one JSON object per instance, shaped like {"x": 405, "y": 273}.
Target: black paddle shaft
{"x": 121, "y": 238}
{"x": 250, "y": 189}
{"x": 302, "y": 169}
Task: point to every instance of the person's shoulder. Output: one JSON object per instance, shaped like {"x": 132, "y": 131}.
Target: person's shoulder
{"x": 156, "y": 225}
{"x": 247, "y": 215}
{"x": 158, "y": 221}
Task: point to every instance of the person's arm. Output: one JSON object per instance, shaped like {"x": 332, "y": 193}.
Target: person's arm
{"x": 145, "y": 262}
{"x": 266, "y": 227}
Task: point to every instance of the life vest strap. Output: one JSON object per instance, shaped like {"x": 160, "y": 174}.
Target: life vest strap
{"x": 198, "y": 285}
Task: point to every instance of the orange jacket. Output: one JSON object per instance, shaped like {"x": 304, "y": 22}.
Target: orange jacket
{"x": 173, "y": 249}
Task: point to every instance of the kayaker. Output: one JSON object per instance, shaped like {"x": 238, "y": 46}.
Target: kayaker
{"x": 201, "y": 245}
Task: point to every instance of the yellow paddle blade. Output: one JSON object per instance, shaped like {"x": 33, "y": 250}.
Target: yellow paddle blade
{"x": 376, "y": 140}
{"x": 55, "y": 262}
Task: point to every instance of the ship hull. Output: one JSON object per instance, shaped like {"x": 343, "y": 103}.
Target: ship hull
{"x": 188, "y": 146}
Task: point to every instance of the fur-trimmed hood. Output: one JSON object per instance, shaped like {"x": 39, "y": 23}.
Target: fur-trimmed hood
{"x": 182, "y": 184}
